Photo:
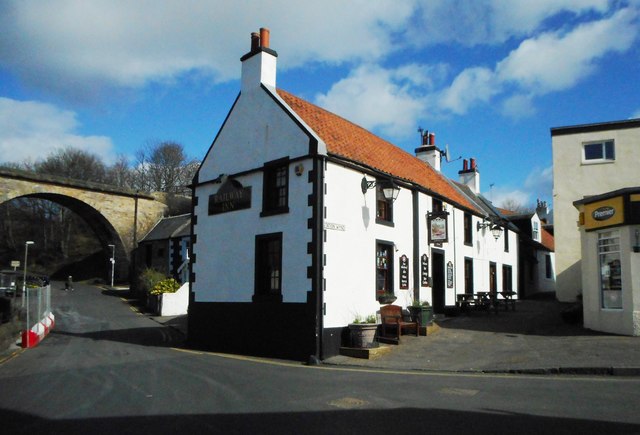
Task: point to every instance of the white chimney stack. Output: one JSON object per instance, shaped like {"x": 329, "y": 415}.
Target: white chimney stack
{"x": 469, "y": 176}
{"x": 259, "y": 65}
{"x": 428, "y": 152}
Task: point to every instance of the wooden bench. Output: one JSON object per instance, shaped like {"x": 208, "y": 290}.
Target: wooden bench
{"x": 393, "y": 321}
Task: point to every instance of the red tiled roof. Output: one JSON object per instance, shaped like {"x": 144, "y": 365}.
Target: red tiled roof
{"x": 506, "y": 212}
{"x": 352, "y": 142}
{"x": 548, "y": 240}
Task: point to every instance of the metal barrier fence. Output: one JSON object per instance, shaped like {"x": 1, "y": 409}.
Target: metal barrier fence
{"x": 38, "y": 318}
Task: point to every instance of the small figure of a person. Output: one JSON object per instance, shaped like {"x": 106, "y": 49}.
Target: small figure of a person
{"x": 68, "y": 285}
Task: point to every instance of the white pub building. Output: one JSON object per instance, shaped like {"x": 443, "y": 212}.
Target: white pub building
{"x": 303, "y": 220}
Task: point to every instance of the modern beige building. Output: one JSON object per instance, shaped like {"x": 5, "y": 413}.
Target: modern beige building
{"x": 588, "y": 160}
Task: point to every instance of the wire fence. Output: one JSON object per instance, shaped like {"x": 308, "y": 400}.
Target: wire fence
{"x": 37, "y": 315}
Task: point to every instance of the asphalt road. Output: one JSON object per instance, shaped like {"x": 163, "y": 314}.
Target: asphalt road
{"x": 107, "y": 369}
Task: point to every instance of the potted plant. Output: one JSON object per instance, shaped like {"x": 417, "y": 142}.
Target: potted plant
{"x": 363, "y": 331}
{"x": 386, "y": 298}
{"x": 421, "y": 312}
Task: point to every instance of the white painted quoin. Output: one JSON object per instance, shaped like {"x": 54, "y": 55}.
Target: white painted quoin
{"x": 325, "y": 232}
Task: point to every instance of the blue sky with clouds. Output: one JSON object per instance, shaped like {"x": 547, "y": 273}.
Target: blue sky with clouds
{"x": 489, "y": 77}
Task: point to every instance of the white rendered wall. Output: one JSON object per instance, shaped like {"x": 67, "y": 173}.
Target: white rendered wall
{"x": 350, "y": 245}
{"x": 573, "y": 180}
{"x": 257, "y": 131}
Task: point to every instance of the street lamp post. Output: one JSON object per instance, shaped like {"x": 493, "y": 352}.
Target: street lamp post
{"x": 25, "y": 294}
{"x": 113, "y": 261}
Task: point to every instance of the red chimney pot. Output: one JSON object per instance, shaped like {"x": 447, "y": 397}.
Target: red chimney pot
{"x": 264, "y": 37}
{"x": 432, "y": 138}
{"x": 465, "y": 165}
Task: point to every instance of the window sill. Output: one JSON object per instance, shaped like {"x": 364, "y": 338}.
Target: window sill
{"x": 596, "y": 162}
{"x": 385, "y": 222}
{"x": 274, "y": 212}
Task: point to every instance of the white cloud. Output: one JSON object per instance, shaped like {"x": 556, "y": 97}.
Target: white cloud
{"x": 473, "y": 22}
{"x": 550, "y": 62}
{"x": 555, "y": 61}
{"x": 538, "y": 185}
{"x": 383, "y": 99}
{"x": 471, "y": 86}
{"x": 518, "y": 106}
{"x": 71, "y": 46}
{"x": 30, "y": 130}
{"x": 636, "y": 114}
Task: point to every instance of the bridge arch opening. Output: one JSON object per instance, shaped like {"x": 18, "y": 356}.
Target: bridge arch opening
{"x": 103, "y": 234}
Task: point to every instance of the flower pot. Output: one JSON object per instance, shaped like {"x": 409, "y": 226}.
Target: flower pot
{"x": 387, "y": 299}
{"x": 422, "y": 314}
{"x": 363, "y": 335}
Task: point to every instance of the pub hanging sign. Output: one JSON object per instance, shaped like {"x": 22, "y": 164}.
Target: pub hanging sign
{"x": 231, "y": 196}
{"x": 437, "y": 226}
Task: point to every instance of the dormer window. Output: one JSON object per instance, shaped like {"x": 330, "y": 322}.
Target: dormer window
{"x": 535, "y": 235}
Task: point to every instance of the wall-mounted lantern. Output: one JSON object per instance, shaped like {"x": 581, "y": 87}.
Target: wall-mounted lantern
{"x": 389, "y": 189}
{"x": 495, "y": 229}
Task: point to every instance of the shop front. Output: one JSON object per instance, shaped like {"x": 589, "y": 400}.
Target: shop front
{"x": 610, "y": 236}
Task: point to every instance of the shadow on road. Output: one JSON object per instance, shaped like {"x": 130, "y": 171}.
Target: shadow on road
{"x": 156, "y": 337}
{"x": 531, "y": 317}
{"x": 405, "y": 420}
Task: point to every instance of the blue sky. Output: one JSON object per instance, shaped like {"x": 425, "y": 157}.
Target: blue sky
{"x": 489, "y": 77}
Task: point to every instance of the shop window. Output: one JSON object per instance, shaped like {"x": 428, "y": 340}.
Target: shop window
{"x": 468, "y": 229}
{"x": 268, "y": 271}
{"x": 275, "y": 188}
{"x": 384, "y": 269}
{"x": 598, "y": 152}
{"x": 610, "y": 269}
{"x": 468, "y": 275}
{"x": 507, "y": 278}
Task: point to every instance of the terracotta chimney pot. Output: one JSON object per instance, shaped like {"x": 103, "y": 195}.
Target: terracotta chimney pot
{"x": 264, "y": 37}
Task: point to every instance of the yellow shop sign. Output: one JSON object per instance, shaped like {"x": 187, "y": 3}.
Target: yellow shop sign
{"x": 604, "y": 213}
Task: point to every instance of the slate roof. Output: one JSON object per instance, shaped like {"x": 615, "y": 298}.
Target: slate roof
{"x": 349, "y": 141}
{"x": 170, "y": 227}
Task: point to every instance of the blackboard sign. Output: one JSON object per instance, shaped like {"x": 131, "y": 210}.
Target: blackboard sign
{"x": 230, "y": 197}
{"x": 449, "y": 275}
{"x": 424, "y": 270}
{"x": 404, "y": 272}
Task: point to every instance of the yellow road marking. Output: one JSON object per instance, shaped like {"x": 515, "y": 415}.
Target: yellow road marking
{"x": 10, "y": 357}
{"x": 412, "y": 372}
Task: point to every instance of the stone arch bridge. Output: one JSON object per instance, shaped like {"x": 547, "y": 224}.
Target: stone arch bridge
{"x": 117, "y": 216}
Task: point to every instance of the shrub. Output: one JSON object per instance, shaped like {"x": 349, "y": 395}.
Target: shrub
{"x": 168, "y": 285}
{"x": 149, "y": 278}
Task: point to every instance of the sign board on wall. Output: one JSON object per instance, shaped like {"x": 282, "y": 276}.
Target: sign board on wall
{"x": 450, "y": 275}
{"x": 230, "y": 197}
{"x": 424, "y": 270}
{"x": 404, "y": 272}
{"x": 437, "y": 226}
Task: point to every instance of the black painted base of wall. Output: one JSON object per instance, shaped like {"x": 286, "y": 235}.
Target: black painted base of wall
{"x": 333, "y": 339}
{"x": 278, "y": 330}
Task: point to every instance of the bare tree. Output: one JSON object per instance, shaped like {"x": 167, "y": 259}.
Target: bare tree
{"x": 73, "y": 163}
{"x": 163, "y": 167}
{"x": 515, "y": 206}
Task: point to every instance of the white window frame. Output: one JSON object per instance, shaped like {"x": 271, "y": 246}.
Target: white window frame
{"x": 603, "y": 145}
{"x": 610, "y": 278}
